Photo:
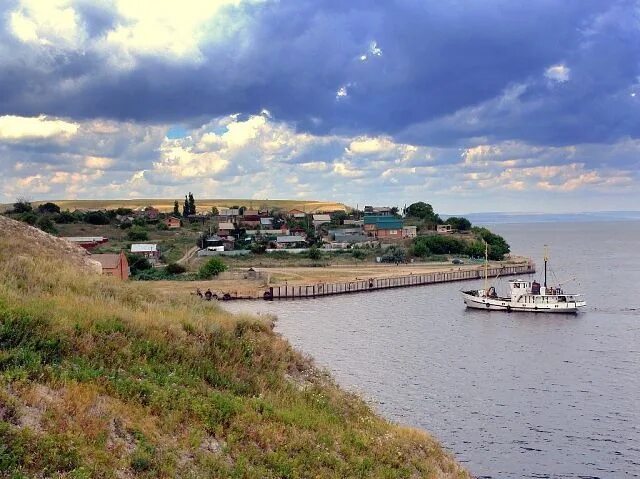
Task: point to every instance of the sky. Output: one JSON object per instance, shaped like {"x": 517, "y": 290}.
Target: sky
{"x": 492, "y": 105}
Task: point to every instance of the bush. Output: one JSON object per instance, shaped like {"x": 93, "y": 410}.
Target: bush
{"x": 126, "y": 225}
{"x": 162, "y": 226}
{"x": 358, "y": 254}
{"x": 211, "y": 268}
{"x": 437, "y": 244}
{"x": 45, "y": 224}
{"x": 97, "y": 218}
{"x": 394, "y": 254}
{"x": 48, "y": 208}
{"x": 175, "y": 268}
{"x": 138, "y": 263}
{"x": 420, "y": 249}
{"x": 498, "y": 247}
{"x": 314, "y": 253}
{"x": 64, "y": 217}
{"x": 136, "y": 233}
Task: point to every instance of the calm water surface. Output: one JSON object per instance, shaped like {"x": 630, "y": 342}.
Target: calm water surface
{"x": 516, "y": 395}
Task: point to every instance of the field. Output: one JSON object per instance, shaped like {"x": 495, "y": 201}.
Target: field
{"x": 108, "y": 379}
{"x": 166, "y": 204}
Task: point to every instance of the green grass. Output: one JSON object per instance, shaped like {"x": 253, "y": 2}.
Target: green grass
{"x": 104, "y": 379}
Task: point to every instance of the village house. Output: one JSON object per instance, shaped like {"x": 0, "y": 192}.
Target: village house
{"x": 347, "y": 235}
{"x": 409, "y": 231}
{"x": 173, "y": 223}
{"x": 297, "y": 214}
{"x": 226, "y": 229}
{"x": 383, "y": 227}
{"x": 148, "y": 250}
{"x": 377, "y": 211}
{"x": 250, "y": 218}
{"x": 86, "y": 242}
{"x": 229, "y": 214}
{"x": 113, "y": 264}
{"x": 319, "y": 220}
{"x": 291, "y": 242}
{"x": 148, "y": 212}
{"x": 443, "y": 229}
{"x": 297, "y": 231}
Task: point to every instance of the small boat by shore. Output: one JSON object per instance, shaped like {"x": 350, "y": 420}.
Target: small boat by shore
{"x": 528, "y": 296}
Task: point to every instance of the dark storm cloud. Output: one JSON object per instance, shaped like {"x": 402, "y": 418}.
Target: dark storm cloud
{"x": 442, "y": 64}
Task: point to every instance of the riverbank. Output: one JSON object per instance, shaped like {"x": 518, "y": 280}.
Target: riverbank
{"x": 102, "y": 378}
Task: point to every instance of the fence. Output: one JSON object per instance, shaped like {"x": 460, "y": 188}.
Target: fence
{"x": 329, "y": 289}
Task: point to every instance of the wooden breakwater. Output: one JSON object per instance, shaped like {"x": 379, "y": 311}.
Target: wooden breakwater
{"x": 373, "y": 284}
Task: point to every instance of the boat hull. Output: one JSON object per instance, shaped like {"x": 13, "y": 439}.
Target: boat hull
{"x": 505, "y": 304}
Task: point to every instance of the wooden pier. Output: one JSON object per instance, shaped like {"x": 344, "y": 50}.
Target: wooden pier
{"x": 373, "y": 284}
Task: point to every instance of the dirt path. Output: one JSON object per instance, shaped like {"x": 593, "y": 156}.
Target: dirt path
{"x": 188, "y": 255}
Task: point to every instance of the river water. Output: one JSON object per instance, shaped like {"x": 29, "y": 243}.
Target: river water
{"x": 518, "y": 395}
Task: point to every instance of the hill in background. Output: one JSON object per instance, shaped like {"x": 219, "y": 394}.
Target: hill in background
{"x": 166, "y": 205}
{"x": 100, "y": 378}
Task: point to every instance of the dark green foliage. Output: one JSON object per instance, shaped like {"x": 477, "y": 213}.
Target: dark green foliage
{"x": 358, "y": 254}
{"x": 126, "y": 225}
{"x": 498, "y": 247}
{"x": 45, "y": 224}
{"x": 123, "y": 211}
{"x": 437, "y": 244}
{"x": 211, "y": 268}
{"x": 475, "y": 249}
{"x": 22, "y": 206}
{"x": 394, "y": 254}
{"x": 459, "y": 223}
{"x": 420, "y": 249}
{"x": 97, "y": 218}
{"x": 192, "y": 204}
{"x": 314, "y": 253}
{"x": 176, "y": 209}
{"x": 424, "y": 211}
{"x": 29, "y": 217}
{"x": 175, "y": 268}
{"x": 137, "y": 233}
{"x": 140, "y": 222}
{"x": 162, "y": 226}
{"x": 48, "y": 208}
{"x": 338, "y": 217}
{"x": 185, "y": 207}
{"x": 138, "y": 263}
{"x": 65, "y": 217}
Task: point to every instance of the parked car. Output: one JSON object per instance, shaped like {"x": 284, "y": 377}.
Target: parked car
{"x": 457, "y": 261}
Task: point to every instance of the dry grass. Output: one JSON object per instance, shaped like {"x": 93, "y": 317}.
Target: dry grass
{"x": 107, "y": 379}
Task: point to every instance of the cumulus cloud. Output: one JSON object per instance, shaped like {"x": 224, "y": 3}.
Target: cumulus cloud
{"x": 558, "y": 73}
{"x": 15, "y": 128}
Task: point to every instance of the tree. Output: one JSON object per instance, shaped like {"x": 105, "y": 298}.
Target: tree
{"x": 65, "y": 217}
{"x": 48, "y": 208}
{"x": 395, "y": 254}
{"x": 175, "y": 268}
{"x": 185, "y": 207}
{"x": 211, "y": 268}
{"x": 138, "y": 263}
{"x": 338, "y": 217}
{"x": 45, "y": 224}
{"x": 136, "y": 233}
{"x": 424, "y": 211}
{"x": 459, "y": 223}
{"x": 192, "y": 204}
{"x": 314, "y": 253}
{"x": 22, "y": 205}
{"x": 176, "y": 208}
{"x": 395, "y": 211}
{"x": 498, "y": 247}
{"x": 214, "y": 211}
{"x": 97, "y": 218}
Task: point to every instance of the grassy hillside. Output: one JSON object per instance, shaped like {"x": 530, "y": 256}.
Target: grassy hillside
{"x": 166, "y": 204}
{"x": 105, "y": 379}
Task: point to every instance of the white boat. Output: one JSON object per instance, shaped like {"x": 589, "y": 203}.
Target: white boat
{"x": 527, "y": 296}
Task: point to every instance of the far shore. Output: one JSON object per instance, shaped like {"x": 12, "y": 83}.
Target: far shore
{"x": 294, "y": 276}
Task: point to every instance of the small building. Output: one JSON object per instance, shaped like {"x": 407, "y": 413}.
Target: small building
{"x": 351, "y": 222}
{"x": 148, "y": 250}
{"x": 297, "y": 231}
{"x": 250, "y": 218}
{"x": 86, "y": 242}
{"x": 113, "y": 264}
{"x": 383, "y": 227}
{"x": 319, "y": 220}
{"x": 266, "y": 223}
{"x": 229, "y": 212}
{"x": 298, "y": 214}
{"x": 290, "y": 241}
{"x": 409, "y": 231}
{"x": 173, "y": 223}
{"x": 377, "y": 211}
{"x": 150, "y": 213}
{"x": 226, "y": 229}
{"x": 444, "y": 229}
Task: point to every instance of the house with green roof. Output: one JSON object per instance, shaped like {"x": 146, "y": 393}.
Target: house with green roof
{"x": 383, "y": 227}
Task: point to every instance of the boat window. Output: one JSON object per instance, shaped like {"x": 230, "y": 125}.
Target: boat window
{"x": 562, "y": 299}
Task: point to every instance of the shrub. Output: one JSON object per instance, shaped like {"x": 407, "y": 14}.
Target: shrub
{"x": 395, "y": 254}
{"x": 45, "y": 224}
{"x": 97, "y": 218}
{"x": 136, "y": 233}
{"x": 211, "y": 268}
{"x": 64, "y": 217}
{"x": 138, "y": 263}
{"x": 314, "y": 253}
{"x": 437, "y": 244}
{"x": 175, "y": 268}
{"x": 48, "y": 208}
{"x": 358, "y": 254}
{"x": 162, "y": 226}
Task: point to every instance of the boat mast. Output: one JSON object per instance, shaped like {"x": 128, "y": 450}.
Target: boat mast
{"x": 486, "y": 264}
{"x": 546, "y": 258}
